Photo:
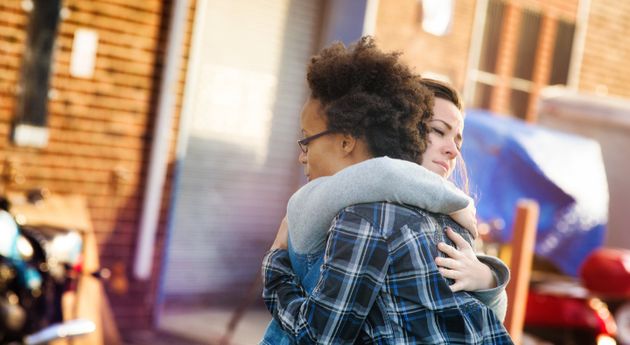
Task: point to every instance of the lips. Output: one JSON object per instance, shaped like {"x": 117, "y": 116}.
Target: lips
{"x": 442, "y": 164}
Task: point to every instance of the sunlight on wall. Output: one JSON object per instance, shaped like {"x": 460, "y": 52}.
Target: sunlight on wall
{"x": 236, "y": 107}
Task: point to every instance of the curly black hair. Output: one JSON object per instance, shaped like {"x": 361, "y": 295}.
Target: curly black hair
{"x": 370, "y": 94}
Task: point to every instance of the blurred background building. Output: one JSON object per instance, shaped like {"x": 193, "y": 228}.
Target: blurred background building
{"x": 178, "y": 119}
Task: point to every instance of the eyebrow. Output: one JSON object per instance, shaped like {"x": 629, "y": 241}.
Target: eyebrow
{"x": 444, "y": 122}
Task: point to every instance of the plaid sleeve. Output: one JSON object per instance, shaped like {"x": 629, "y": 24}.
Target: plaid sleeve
{"x": 354, "y": 268}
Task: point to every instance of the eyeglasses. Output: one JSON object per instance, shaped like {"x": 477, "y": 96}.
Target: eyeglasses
{"x": 303, "y": 143}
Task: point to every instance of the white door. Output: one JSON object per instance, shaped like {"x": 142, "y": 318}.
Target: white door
{"x": 246, "y": 86}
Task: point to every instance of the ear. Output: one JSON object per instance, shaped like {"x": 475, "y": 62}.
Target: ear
{"x": 348, "y": 144}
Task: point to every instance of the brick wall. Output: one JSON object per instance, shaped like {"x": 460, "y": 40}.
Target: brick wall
{"x": 603, "y": 69}
{"x": 100, "y": 128}
{"x": 605, "y": 66}
{"x": 561, "y": 8}
{"x": 398, "y": 27}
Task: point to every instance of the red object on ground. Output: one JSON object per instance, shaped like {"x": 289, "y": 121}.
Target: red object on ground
{"x": 606, "y": 272}
{"x": 568, "y": 312}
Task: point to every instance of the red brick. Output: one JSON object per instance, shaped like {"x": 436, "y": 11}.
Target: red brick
{"x": 98, "y": 126}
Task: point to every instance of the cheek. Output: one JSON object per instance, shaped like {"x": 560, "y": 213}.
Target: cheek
{"x": 432, "y": 145}
{"x": 315, "y": 163}
{"x": 433, "y": 138}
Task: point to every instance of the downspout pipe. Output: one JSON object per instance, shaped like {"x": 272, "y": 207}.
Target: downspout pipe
{"x": 579, "y": 42}
{"x": 474, "y": 52}
{"x": 371, "y": 14}
{"x": 158, "y": 161}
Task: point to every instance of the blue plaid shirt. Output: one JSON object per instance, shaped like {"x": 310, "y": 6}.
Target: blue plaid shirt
{"x": 379, "y": 285}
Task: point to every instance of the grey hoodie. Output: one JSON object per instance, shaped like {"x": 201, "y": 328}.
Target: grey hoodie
{"x": 312, "y": 208}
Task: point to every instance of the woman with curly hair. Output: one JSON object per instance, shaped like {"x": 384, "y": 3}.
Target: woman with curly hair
{"x": 378, "y": 281}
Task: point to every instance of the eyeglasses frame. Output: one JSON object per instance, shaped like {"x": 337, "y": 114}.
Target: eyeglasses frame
{"x": 303, "y": 143}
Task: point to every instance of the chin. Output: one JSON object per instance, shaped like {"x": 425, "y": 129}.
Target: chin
{"x": 438, "y": 170}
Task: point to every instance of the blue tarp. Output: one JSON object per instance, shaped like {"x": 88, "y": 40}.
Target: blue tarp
{"x": 508, "y": 159}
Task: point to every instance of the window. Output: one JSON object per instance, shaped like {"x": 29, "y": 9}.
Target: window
{"x": 512, "y": 51}
{"x": 32, "y": 104}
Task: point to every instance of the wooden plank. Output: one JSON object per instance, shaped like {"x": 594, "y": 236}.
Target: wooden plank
{"x": 524, "y": 238}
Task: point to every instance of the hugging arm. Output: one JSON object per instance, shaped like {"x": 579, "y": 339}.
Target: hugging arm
{"x": 354, "y": 268}
{"x": 378, "y": 179}
{"x": 484, "y": 276}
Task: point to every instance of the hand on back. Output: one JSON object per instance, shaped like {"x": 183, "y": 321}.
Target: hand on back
{"x": 462, "y": 265}
{"x": 467, "y": 217}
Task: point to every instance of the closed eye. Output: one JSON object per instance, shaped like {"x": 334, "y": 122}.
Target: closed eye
{"x": 438, "y": 131}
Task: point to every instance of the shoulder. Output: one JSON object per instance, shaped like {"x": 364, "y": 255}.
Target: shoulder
{"x": 386, "y": 216}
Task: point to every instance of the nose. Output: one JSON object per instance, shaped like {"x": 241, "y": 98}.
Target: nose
{"x": 302, "y": 157}
{"x": 450, "y": 149}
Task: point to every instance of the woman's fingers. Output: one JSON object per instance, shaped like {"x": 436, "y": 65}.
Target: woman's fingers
{"x": 457, "y": 239}
{"x": 454, "y": 275}
{"x": 450, "y": 274}
{"x": 447, "y": 263}
{"x": 457, "y": 286}
{"x": 449, "y": 250}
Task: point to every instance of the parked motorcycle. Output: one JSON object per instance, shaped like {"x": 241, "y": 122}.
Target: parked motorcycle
{"x": 606, "y": 274}
{"x": 563, "y": 310}
{"x": 37, "y": 266}
{"x": 593, "y": 310}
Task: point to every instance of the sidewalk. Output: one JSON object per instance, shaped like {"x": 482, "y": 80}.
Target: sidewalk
{"x": 157, "y": 338}
{"x": 206, "y": 326}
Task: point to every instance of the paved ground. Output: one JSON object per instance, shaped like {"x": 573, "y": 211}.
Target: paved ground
{"x": 158, "y": 338}
{"x": 207, "y": 326}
